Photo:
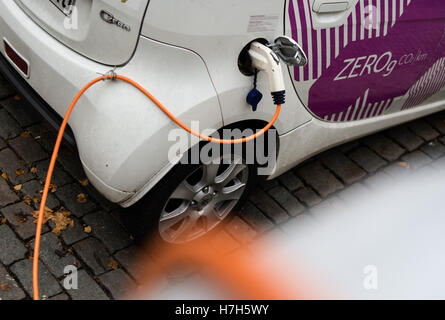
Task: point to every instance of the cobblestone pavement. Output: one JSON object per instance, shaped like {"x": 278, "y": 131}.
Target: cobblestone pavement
{"x": 99, "y": 244}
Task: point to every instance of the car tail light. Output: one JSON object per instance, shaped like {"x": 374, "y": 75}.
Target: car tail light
{"x": 16, "y": 59}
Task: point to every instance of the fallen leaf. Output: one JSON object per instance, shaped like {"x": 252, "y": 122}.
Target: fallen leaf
{"x": 33, "y": 170}
{"x": 4, "y": 176}
{"x": 88, "y": 229}
{"x": 17, "y": 97}
{"x": 81, "y": 198}
{"x": 48, "y": 215}
{"x": 26, "y": 134}
{"x": 4, "y": 221}
{"x": 22, "y": 218}
{"x": 20, "y": 172}
{"x": 18, "y": 187}
{"x": 37, "y": 199}
{"x": 27, "y": 200}
{"x": 403, "y": 164}
{"x": 5, "y": 286}
{"x": 53, "y": 188}
{"x": 37, "y": 138}
{"x": 113, "y": 264}
{"x": 84, "y": 182}
{"x": 61, "y": 219}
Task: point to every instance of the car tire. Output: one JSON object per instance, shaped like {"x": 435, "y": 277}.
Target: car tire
{"x": 192, "y": 201}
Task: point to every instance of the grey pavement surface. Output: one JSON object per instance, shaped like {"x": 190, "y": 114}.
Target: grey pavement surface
{"x": 100, "y": 246}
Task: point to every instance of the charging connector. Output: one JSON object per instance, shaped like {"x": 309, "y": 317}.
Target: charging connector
{"x": 264, "y": 59}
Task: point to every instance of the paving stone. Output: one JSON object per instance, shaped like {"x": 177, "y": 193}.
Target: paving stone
{"x": 118, "y": 283}
{"x": 423, "y": 130}
{"x": 378, "y": 181}
{"x": 136, "y": 262}
{"x": 19, "y": 215}
{"x": 328, "y": 206}
{"x": 68, "y": 195}
{"x": 108, "y": 230}
{"x": 286, "y": 200}
{"x": 21, "y": 111}
{"x": 307, "y": 196}
{"x": 367, "y": 159}
{"x": 434, "y": 149}
{"x": 10, "y": 164}
{"x": 87, "y": 289}
{"x": 268, "y": 184}
{"x": 348, "y": 146}
{"x": 438, "y": 123}
{"x": 32, "y": 188}
{"x": 48, "y": 285}
{"x": 417, "y": 159}
{"x": 94, "y": 254}
{"x": 256, "y": 218}
{"x": 354, "y": 193}
{"x": 9, "y": 128}
{"x": 2, "y": 144}
{"x": 240, "y": 230}
{"x": 397, "y": 170}
{"x": 11, "y": 249}
{"x": 268, "y": 206}
{"x": 405, "y": 138}
{"x": 28, "y": 149}
{"x": 61, "y": 296}
{"x": 290, "y": 181}
{"x": 75, "y": 234}
{"x": 319, "y": 178}
{"x": 344, "y": 168}
{"x": 223, "y": 243}
{"x": 6, "y": 89}
{"x": 9, "y": 287}
{"x": 53, "y": 255}
{"x": 44, "y": 135}
{"x": 7, "y": 196}
{"x": 383, "y": 147}
{"x": 70, "y": 161}
{"x": 100, "y": 199}
{"x": 59, "y": 178}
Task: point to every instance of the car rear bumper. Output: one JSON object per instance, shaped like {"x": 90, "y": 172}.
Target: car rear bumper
{"x": 121, "y": 136}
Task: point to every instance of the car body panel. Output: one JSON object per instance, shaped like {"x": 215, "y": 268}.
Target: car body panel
{"x": 376, "y": 58}
{"x": 84, "y": 31}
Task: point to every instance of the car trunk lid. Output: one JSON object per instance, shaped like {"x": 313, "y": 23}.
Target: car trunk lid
{"x": 106, "y": 31}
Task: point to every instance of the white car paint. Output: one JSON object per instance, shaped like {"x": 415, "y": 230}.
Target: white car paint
{"x": 186, "y": 56}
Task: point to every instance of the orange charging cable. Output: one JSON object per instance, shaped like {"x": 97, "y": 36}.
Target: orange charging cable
{"x": 113, "y": 76}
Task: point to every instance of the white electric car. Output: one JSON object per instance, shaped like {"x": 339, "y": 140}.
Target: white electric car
{"x": 371, "y": 64}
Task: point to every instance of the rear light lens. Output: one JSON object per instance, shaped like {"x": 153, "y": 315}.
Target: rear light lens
{"x": 16, "y": 59}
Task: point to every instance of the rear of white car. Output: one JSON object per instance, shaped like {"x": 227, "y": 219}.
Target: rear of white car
{"x": 118, "y": 131}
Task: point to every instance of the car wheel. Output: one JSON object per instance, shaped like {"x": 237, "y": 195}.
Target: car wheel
{"x": 192, "y": 201}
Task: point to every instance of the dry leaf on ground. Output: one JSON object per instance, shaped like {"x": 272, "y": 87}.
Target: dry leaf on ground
{"x": 403, "y": 164}
{"x": 81, "y": 198}
{"x": 88, "y": 229}
{"x": 84, "y": 182}
{"x": 113, "y": 264}
{"x": 20, "y": 172}
{"x": 4, "y": 176}
{"x": 26, "y": 134}
{"x": 61, "y": 219}
{"x": 18, "y": 187}
{"x": 5, "y": 286}
{"x": 33, "y": 170}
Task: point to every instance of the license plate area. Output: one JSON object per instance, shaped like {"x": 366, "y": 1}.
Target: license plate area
{"x": 65, "y": 6}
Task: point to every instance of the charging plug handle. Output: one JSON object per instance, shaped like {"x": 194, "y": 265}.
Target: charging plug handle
{"x": 264, "y": 59}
